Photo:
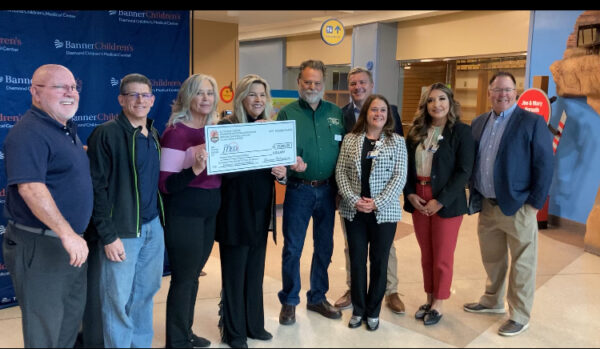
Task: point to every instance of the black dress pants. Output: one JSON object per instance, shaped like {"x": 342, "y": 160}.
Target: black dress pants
{"x": 189, "y": 241}
{"x": 92, "y": 333}
{"x": 51, "y": 293}
{"x": 242, "y": 310}
{"x": 365, "y": 236}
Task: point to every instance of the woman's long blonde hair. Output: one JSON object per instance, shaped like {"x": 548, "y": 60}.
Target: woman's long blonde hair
{"x": 241, "y": 92}
{"x": 180, "y": 109}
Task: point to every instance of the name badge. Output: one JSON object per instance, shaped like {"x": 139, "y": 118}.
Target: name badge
{"x": 373, "y": 154}
{"x": 337, "y": 138}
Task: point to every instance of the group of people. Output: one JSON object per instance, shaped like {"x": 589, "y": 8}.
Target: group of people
{"x": 135, "y": 193}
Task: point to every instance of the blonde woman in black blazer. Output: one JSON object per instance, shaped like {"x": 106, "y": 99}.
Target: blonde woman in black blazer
{"x": 370, "y": 173}
{"x": 441, "y": 153}
{"x": 247, "y": 210}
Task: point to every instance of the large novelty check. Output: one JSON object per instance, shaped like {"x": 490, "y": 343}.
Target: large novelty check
{"x": 250, "y": 146}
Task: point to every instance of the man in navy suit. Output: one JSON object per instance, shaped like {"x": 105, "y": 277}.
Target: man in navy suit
{"x": 510, "y": 183}
{"x": 360, "y": 85}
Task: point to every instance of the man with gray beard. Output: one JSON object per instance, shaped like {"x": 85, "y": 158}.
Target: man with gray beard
{"x": 310, "y": 192}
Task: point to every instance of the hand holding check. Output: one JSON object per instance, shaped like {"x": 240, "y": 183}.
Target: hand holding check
{"x": 200, "y": 160}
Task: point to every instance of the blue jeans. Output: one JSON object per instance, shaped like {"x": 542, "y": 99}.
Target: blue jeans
{"x": 127, "y": 289}
{"x": 301, "y": 203}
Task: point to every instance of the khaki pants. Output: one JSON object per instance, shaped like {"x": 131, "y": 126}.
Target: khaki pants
{"x": 392, "y": 267}
{"x": 499, "y": 234}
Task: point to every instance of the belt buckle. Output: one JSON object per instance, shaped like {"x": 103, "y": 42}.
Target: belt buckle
{"x": 314, "y": 183}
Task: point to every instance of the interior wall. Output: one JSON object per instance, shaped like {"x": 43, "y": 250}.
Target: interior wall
{"x": 468, "y": 33}
{"x": 216, "y": 54}
{"x": 374, "y": 43}
{"x": 303, "y": 47}
{"x": 364, "y": 40}
{"x": 387, "y": 75}
{"x": 265, "y": 58}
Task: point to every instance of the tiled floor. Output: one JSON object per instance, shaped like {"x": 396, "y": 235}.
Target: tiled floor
{"x": 565, "y": 313}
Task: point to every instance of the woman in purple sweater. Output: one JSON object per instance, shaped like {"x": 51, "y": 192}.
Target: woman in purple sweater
{"x": 192, "y": 202}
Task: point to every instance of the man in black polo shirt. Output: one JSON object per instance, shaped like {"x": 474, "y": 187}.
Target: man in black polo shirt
{"x": 48, "y": 206}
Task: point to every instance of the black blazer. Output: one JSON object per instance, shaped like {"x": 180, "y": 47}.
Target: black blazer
{"x": 450, "y": 171}
{"x": 247, "y": 210}
{"x": 350, "y": 119}
{"x": 247, "y": 200}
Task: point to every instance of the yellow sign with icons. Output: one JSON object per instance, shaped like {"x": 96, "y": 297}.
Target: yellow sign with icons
{"x": 332, "y": 32}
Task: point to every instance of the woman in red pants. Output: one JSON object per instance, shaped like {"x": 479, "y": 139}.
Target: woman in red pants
{"x": 441, "y": 153}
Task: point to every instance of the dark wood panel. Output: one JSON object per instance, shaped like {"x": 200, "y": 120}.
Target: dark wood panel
{"x": 414, "y": 79}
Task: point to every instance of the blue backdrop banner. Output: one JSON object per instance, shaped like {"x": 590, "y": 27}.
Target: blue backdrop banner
{"x": 99, "y": 47}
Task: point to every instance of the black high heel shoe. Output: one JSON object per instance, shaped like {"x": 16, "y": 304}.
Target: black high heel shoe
{"x": 355, "y": 321}
{"x": 420, "y": 314}
{"x": 432, "y": 317}
{"x": 372, "y": 323}
{"x": 263, "y": 336}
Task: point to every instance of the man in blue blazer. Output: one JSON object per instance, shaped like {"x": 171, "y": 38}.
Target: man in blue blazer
{"x": 510, "y": 183}
{"x": 360, "y": 85}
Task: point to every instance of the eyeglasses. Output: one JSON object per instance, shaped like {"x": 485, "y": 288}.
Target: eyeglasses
{"x": 505, "y": 90}
{"x": 135, "y": 95}
{"x": 65, "y": 88}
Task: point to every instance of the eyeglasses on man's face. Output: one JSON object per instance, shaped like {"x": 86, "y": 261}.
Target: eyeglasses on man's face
{"x": 500, "y": 90}
{"x": 136, "y": 95}
{"x": 64, "y": 88}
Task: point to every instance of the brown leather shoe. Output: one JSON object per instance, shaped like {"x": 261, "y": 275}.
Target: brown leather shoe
{"x": 345, "y": 301}
{"x": 394, "y": 303}
{"x": 287, "y": 316}
{"x": 325, "y": 309}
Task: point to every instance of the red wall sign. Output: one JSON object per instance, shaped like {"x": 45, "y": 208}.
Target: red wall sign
{"x": 535, "y": 101}
{"x": 226, "y": 94}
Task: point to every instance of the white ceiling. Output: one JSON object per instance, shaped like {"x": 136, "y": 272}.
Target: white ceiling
{"x": 256, "y": 25}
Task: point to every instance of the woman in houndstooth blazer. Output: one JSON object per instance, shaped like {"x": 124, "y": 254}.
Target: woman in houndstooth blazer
{"x": 370, "y": 172}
